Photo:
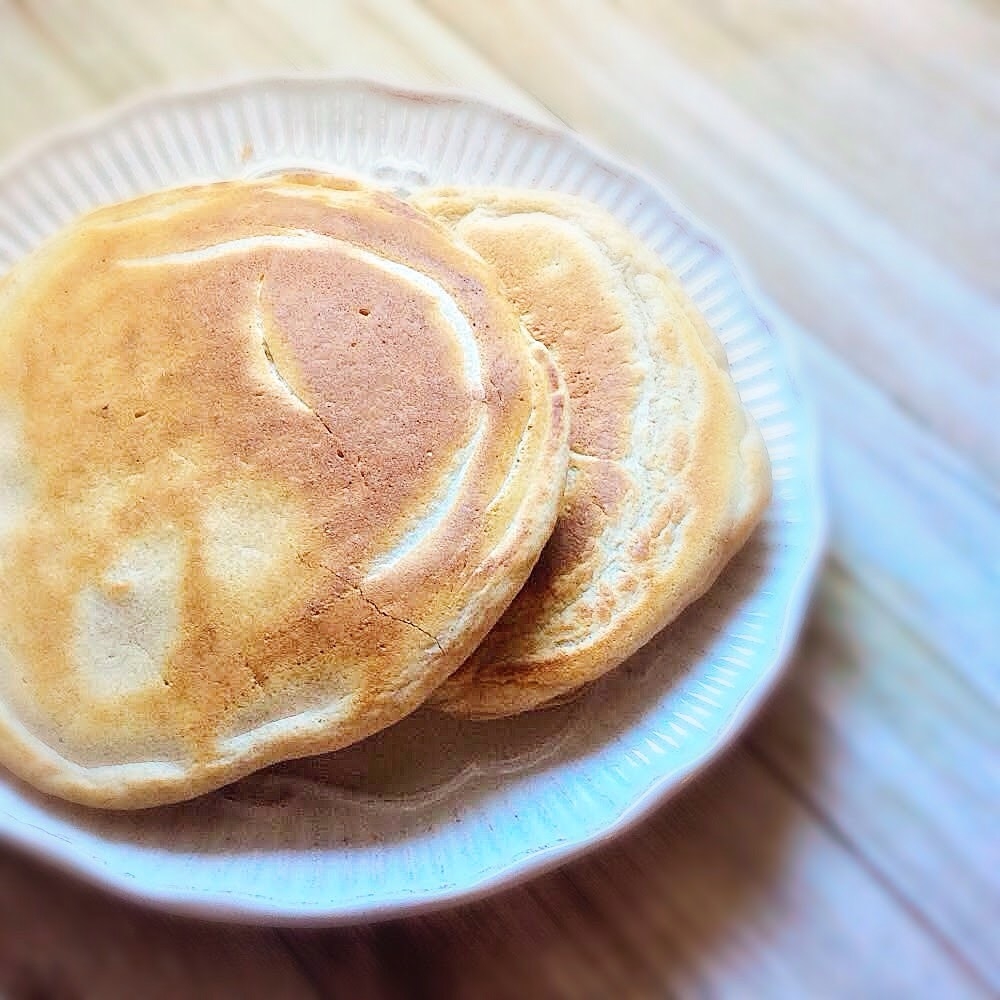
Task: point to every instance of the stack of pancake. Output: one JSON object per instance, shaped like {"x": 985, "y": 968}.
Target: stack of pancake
{"x": 283, "y": 460}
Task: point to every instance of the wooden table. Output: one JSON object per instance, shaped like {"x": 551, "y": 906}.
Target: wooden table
{"x": 850, "y": 845}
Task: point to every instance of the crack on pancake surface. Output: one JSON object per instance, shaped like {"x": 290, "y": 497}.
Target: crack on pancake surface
{"x": 386, "y": 614}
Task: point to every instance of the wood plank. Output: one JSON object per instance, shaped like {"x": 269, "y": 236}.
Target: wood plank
{"x": 59, "y": 938}
{"x": 413, "y": 47}
{"x": 919, "y": 528}
{"x": 906, "y": 776}
{"x": 891, "y": 106}
{"x": 35, "y": 86}
{"x": 117, "y": 49}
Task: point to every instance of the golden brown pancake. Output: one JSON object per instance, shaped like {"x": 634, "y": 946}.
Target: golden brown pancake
{"x": 668, "y": 474}
{"x": 274, "y": 457}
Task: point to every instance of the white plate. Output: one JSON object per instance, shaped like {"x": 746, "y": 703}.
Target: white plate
{"x": 435, "y": 810}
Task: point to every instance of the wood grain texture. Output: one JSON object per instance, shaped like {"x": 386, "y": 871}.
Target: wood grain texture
{"x": 59, "y": 939}
{"x": 850, "y": 845}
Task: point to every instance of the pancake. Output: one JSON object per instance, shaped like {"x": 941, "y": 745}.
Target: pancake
{"x": 668, "y": 474}
{"x": 274, "y": 457}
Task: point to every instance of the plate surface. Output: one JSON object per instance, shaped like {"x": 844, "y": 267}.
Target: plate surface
{"x": 436, "y": 810}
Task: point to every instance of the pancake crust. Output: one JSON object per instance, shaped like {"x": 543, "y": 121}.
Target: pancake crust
{"x": 668, "y": 474}
{"x": 274, "y": 457}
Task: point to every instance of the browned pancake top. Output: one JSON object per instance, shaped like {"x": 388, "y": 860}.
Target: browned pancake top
{"x": 277, "y": 454}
